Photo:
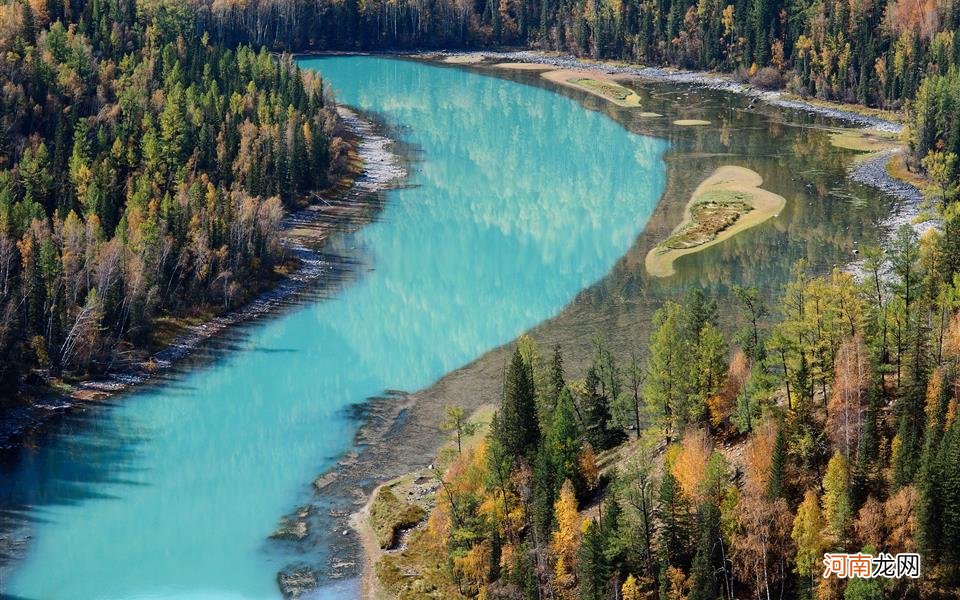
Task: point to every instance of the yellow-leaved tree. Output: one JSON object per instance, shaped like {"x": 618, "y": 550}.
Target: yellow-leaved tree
{"x": 808, "y": 535}
{"x": 566, "y": 541}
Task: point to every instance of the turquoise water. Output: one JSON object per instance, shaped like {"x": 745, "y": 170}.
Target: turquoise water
{"x": 520, "y": 199}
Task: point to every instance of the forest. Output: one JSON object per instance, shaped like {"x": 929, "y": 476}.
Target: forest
{"x": 144, "y": 172}
{"x": 874, "y": 53}
{"x": 726, "y": 463}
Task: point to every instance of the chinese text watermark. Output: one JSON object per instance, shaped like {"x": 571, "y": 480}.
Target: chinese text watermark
{"x": 868, "y": 566}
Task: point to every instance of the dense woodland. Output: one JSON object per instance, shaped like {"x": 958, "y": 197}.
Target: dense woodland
{"x": 144, "y": 171}
{"x": 724, "y": 464}
{"x": 856, "y": 50}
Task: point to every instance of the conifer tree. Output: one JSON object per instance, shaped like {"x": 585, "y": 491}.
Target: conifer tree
{"x": 594, "y": 567}
{"x": 564, "y": 443}
{"x": 599, "y": 427}
{"x": 836, "y": 502}
{"x": 673, "y": 515}
{"x": 517, "y": 429}
{"x": 807, "y": 534}
{"x": 668, "y": 385}
{"x": 557, "y": 378}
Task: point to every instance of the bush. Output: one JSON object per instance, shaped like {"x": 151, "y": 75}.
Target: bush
{"x": 767, "y": 78}
{"x": 795, "y": 86}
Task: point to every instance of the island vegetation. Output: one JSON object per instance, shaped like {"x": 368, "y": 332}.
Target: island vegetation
{"x": 598, "y": 85}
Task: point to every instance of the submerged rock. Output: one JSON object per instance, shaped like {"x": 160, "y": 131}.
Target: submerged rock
{"x": 293, "y": 527}
{"x": 296, "y": 580}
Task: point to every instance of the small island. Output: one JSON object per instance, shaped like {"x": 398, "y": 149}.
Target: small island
{"x": 723, "y": 205}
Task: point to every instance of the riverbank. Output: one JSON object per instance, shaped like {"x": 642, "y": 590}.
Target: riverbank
{"x": 348, "y": 205}
{"x": 862, "y": 116}
{"x": 418, "y": 490}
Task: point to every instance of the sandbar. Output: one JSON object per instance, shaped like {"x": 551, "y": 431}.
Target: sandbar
{"x": 724, "y": 204}
{"x": 597, "y": 84}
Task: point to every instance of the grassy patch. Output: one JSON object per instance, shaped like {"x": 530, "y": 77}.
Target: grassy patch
{"x": 864, "y": 140}
{"x": 713, "y": 212}
{"x": 610, "y": 90}
{"x": 897, "y": 168}
{"x": 389, "y": 516}
{"x": 419, "y": 572}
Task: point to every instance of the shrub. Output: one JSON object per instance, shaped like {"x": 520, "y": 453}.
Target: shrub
{"x": 767, "y": 78}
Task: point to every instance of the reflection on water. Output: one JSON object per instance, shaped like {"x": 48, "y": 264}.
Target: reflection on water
{"x": 520, "y": 200}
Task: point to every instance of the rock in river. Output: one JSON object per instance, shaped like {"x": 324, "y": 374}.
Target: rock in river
{"x": 296, "y": 580}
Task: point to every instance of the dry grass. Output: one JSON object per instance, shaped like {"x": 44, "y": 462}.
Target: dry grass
{"x": 389, "y": 516}
{"x": 713, "y": 212}
{"x": 864, "y": 140}
{"x": 605, "y": 88}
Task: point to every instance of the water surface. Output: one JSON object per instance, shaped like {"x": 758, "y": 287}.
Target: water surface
{"x": 520, "y": 199}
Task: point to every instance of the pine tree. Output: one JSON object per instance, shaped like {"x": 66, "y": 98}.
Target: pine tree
{"x": 668, "y": 383}
{"x": 865, "y": 472}
{"x": 707, "y": 561}
{"x": 600, "y": 429}
{"x": 673, "y": 514}
{"x": 545, "y": 487}
{"x": 594, "y": 568}
{"x": 517, "y": 427}
{"x": 564, "y": 443}
{"x": 807, "y": 534}
{"x": 557, "y": 382}
{"x": 836, "y": 502}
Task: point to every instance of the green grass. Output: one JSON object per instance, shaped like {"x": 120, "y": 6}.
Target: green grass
{"x": 389, "y": 515}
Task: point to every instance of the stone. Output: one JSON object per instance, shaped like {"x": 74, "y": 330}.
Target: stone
{"x": 296, "y": 580}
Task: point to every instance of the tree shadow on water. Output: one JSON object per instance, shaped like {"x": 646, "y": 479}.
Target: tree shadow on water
{"x": 83, "y": 456}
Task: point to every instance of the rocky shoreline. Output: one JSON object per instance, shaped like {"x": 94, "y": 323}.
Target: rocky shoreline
{"x": 304, "y": 233}
{"x": 872, "y": 171}
{"x": 712, "y": 80}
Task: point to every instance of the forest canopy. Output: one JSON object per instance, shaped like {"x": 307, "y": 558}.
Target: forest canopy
{"x": 144, "y": 170}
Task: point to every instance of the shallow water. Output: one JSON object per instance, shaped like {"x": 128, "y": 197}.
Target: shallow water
{"x": 520, "y": 199}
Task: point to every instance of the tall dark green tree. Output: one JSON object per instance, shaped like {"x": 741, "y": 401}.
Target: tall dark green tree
{"x": 517, "y": 427}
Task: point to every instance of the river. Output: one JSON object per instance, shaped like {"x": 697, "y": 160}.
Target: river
{"x": 519, "y": 198}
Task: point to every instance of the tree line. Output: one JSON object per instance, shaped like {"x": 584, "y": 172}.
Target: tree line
{"x": 144, "y": 171}
{"x": 869, "y": 52}
{"x": 726, "y": 463}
